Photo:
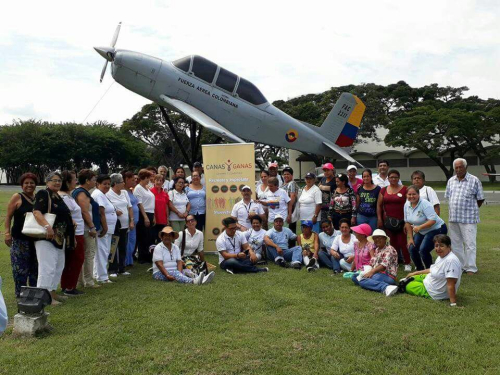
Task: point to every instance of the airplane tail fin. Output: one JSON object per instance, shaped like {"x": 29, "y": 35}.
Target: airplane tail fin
{"x": 342, "y": 124}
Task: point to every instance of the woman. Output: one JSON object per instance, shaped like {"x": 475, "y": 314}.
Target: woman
{"x": 146, "y": 204}
{"x": 308, "y": 241}
{"x": 354, "y": 182}
{"x": 50, "y": 251}
{"x": 130, "y": 184}
{"x": 163, "y": 170}
{"x": 390, "y": 214}
{"x": 190, "y": 243}
{"x": 421, "y": 224}
{"x": 327, "y": 186}
{"x": 367, "y": 200}
{"x": 426, "y": 192}
{"x": 364, "y": 251}
{"x": 167, "y": 261}
{"x": 342, "y": 250}
{"x": 22, "y": 248}
{"x": 291, "y": 187}
{"x": 153, "y": 172}
{"x": 255, "y": 237}
{"x": 197, "y": 198}
{"x": 178, "y": 172}
{"x": 382, "y": 276}
{"x": 261, "y": 194}
{"x": 179, "y": 204}
{"x": 441, "y": 280}
{"x": 74, "y": 258}
{"x": 161, "y": 206}
{"x": 108, "y": 224}
{"x": 310, "y": 202}
{"x": 343, "y": 205}
{"x": 119, "y": 198}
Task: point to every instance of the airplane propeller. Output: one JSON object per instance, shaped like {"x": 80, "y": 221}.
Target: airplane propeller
{"x": 108, "y": 52}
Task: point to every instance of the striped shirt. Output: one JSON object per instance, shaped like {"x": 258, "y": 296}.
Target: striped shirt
{"x": 463, "y": 196}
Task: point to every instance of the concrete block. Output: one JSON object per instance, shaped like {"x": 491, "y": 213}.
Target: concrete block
{"x": 30, "y": 325}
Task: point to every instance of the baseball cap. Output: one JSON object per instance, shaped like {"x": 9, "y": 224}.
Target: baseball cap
{"x": 273, "y": 164}
{"x": 196, "y": 164}
{"x": 328, "y": 166}
{"x": 246, "y": 187}
{"x": 310, "y": 175}
{"x": 306, "y": 223}
{"x": 351, "y": 167}
{"x": 278, "y": 217}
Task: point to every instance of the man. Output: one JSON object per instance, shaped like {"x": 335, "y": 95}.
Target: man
{"x": 327, "y": 186}
{"x": 425, "y": 192}
{"x": 235, "y": 254}
{"x": 326, "y": 238}
{"x": 273, "y": 172}
{"x": 197, "y": 167}
{"x": 465, "y": 194}
{"x": 245, "y": 209}
{"x": 163, "y": 170}
{"x": 277, "y": 201}
{"x": 381, "y": 179}
{"x": 276, "y": 240}
{"x": 291, "y": 187}
{"x": 354, "y": 182}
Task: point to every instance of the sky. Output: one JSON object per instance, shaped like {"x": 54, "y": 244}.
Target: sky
{"x": 50, "y": 71}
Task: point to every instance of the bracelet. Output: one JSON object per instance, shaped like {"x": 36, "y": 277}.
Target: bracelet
{"x": 453, "y": 304}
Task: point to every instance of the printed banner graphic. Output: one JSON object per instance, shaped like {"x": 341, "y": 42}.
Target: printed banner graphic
{"x": 227, "y": 169}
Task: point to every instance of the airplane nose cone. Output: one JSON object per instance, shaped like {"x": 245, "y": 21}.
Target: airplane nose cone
{"x": 106, "y": 52}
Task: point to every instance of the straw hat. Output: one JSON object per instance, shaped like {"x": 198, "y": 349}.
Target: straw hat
{"x": 378, "y": 233}
{"x": 168, "y": 230}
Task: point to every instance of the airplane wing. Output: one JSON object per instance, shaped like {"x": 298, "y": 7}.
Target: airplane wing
{"x": 341, "y": 152}
{"x": 201, "y": 118}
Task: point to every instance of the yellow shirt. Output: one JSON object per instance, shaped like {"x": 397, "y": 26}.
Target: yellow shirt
{"x": 307, "y": 244}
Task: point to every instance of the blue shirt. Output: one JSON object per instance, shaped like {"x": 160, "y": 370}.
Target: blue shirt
{"x": 135, "y": 208}
{"x": 197, "y": 198}
{"x": 423, "y": 212}
{"x": 281, "y": 238}
{"x": 326, "y": 241}
{"x": 463, "y": 196}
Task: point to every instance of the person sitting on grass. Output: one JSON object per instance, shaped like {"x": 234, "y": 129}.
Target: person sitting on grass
{"x": 364, "y": 251}
{"x": 167, "y": 261}
{"x": 326, "y": 238}
{"x": 382, "y": 276}
{"x": 441, "y": 280}
{"x": 235, "y": 254}
{"x": 190, "y": 242}
{"x": 255, "y": 236}
{"x": 308, "y": 241}
{"x": 276, "y": 240}
{"x": 342, "y": 250}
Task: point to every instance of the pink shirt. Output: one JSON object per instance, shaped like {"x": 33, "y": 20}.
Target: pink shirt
{"x": 362, "y": 255}
{"x": 356, "y": 185}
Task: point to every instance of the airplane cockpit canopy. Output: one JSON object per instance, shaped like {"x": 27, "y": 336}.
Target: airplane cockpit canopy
{"x": 206, "y": 70}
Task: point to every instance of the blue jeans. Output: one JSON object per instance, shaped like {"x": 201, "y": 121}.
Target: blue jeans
{"x": 240, "y": 265}
{"x": 424, "y": 244}
{"x": 293, "y": 255}
{"x": 370, "y": 220}
{"x": 377, "y": 282}
{"x": 179, "y": 277}
{"x": 329, "y": 261}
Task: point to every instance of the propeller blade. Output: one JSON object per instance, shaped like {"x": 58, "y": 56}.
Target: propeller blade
{"x": 115, "y": 37}
{"x": 104, "y": 70}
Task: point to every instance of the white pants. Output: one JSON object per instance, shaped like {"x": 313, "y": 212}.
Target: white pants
{"x": 306, "y": 260}
{"x": 50, "y": 265}
{"x": 101, "y": 257}
{"x": 463, "y": 244}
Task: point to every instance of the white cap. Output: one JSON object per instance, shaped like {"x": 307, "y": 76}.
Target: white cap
{"x": 351, "y": 167}
{"x": 246, "y": 187}
{"x": 278, "y": 217}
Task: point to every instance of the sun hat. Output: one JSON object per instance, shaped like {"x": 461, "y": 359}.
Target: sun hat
{"x": 378, "y": 233}
{"x": 328, "y": 166}
{"x": 306, "y": 223}
{"x": 364, "y": 229}
{"x": 351, "y": 167}
{"x": 168, "y": 230}
{"x": 278, "y": 217}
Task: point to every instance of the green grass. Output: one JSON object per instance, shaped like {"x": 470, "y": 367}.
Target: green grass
{"x": 277, "y": 323}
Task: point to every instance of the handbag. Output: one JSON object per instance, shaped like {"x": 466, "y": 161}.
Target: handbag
{"x": 31, "y": 228}
{"x": 393, "y": 224}
{"x": 296, "y": 211}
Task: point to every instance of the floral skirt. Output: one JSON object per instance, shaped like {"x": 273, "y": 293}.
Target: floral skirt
{"x": 24, "y": 264}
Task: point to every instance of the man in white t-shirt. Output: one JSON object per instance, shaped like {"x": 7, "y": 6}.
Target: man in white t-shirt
{"x": 235, "y": 254}
{"x": 245, "y": 209}
{"x": 425, "y": 192}
{"x": 277, "y": 201}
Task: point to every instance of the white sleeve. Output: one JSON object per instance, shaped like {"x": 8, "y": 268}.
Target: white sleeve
{"x": 234, "y": 211}
{"x": 259, "y": 210}
{"x": 286, "y": 197}
{"x": 433, "y": 198}
{"x": 202, "y": 243}
{"x": 138, "y": 195}
{"x": 317, "y": 196}
{"x": 220, "y": 244}
{"x": 157, "y": 254}
{"x": 453, "y": 269}
{"x": 243, "y": 238}
{"x": 178, "y": 241}
{"x": 335, "y": 243}
{"x": 171, "y": 196}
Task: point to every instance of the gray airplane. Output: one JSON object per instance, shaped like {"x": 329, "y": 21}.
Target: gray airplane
{"x": 231, "y": 106}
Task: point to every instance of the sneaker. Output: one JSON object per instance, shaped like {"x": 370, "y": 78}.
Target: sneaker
{"x": 108, "y": 281}
{"x": 264, "y": 269}
{"x": 391, "y": 290}
{"x": 311, "y": 269}
{"x": 281, "y": 262}
{"x": 229, "y": 270}
{"x": 199, "y": 279}
{"x": 208, "y": 279}
{"x": 125, "y": 273}
{"x": 73, "y": 292}
{"x": 297, "y": 266}
{"x": 407, "y": 267}
{"x": 403, "y": 283}
{"x": 312, "y": 263}
{"x": 113, "y": 275}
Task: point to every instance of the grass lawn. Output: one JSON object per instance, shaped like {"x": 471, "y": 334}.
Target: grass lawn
{"x": 282, "y": 322}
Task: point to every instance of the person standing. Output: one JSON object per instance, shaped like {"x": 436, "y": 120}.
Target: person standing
{"x": 273, "y": 172}
{"x": 465, "y": 194}
{"x": 354, "y": 182}
{"x": 146, "y": 204}
{"x": 178, "y": 172}
{"x": 198, "y": 168}
{"x": 381, "y": 178}
{"x": 292, "y": 189}
{"x": 163, "y": 170}
{"x": 327, "y": 186}
{"x": 245, "y": 209}
{"x": 343, "y": 205}
{"x": 22, "y": 248}
{"x": 161, "y": 207}
{"x": 426, "y": 192}
{"x": 178, "y": 205}
{"x": 367, "y": 201}
{"x": 310, "y": 202}
{"x": 277, "y": 201}
{"x": 130, "y": 184}
{"x": 197, "y": 197}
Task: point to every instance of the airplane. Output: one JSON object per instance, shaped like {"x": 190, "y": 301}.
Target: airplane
{"x": 229, "y": 105}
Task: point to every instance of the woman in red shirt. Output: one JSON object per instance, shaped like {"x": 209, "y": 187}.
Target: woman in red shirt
{"x": 390, "y": 213}
{"x": 161, "y": 206}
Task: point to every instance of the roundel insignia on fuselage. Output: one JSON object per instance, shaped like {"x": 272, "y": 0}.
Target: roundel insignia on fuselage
{"x": 291, "y": 135}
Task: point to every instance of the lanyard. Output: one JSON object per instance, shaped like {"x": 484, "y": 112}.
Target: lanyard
{"x": 233, "y": 243}
{"x": 247, "y": 208}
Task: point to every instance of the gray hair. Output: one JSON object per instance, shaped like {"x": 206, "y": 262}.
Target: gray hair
{"x": 462, "y": 160}
{"x": 417, "y": 190}
{"x": 116, "y": 178}
{"x": 52, "y": 174}
{"x": 162, "y": 166}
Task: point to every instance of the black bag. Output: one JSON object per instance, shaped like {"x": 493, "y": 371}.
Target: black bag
{"x": 393, "y": 224}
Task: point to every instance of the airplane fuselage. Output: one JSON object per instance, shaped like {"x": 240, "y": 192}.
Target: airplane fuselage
{"x": 151, "y": 78}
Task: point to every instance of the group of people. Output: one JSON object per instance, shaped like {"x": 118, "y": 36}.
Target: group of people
{"x": 362, "y": 227}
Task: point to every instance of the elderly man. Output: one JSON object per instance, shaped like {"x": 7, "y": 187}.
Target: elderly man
{"x": 245, "y": 209}
{"x": 276, "y": 240}
{"x": 465, "y": 194}
{"x": 235, "y": 254}
{"x": 277, "y": 201}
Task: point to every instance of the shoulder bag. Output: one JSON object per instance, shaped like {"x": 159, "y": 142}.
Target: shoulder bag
{"x": 31, "y": 227}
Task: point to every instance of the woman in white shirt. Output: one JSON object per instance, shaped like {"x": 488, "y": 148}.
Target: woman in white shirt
{"x": 74, "y": 258}
{"x": 310, "y": 202}
{"x": 146, "y": 204}
{"x": 342, "y": 251}
{"x": 178, "y": 205}
{"x": 255, "y": 237}
{"x": 108, "y": 221}
{"x": 190, "y": 242}
{"x": 120, "y": 200}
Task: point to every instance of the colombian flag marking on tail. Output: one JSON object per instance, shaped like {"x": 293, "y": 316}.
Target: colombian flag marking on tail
{"x": 351, "y": 127}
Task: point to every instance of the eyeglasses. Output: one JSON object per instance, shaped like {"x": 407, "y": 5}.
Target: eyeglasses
{"x": 190, "y": 221}
{"x": 56, "y": 181}
{"x": 394, "y": 177}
